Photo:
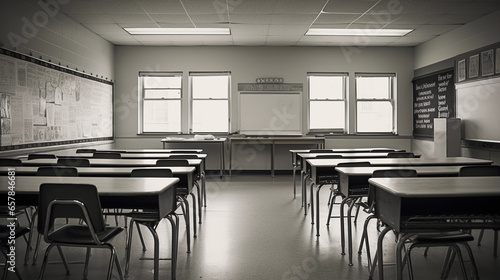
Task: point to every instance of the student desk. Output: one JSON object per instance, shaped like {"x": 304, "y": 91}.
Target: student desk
{"x": 397, "y": 203}
{"x": 100, "y": 162}
{"x": 114, "y": 192}
{"x": 273, "y": 141}
{"x": 191, "y": 141}
{"x": 352, "y": 177}
{"x": 297, "y": 160}
{"x": 320, "y": 167}
{"x": 184, "y": 173}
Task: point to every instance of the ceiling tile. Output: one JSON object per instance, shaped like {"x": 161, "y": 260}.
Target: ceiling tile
{"x": 249, "y": 30}
{"x": 287, "y": 29}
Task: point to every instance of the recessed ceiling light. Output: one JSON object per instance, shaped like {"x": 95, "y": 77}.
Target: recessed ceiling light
{"x": 178, "y": 31}
{"x": 357, "y": 32}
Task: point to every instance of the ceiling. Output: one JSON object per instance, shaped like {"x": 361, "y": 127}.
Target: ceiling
{"x": 274, "y": 22}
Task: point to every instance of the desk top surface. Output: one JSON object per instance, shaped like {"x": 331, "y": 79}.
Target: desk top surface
{"x": 192, "y": 140}
{"x": 299, "y": 138}
{"x": 401, "y": 161}
{"x": 439, "y": 186}
{"x": 130, "y": 155}
{"x": 344, "y": 155}
{"x": 427, "y": 170}
{"x": 151, "y": 151}
{"x": 94, "y": 162}
{"x": 100, "y": 170}
{"x": 125, "y": 186}
{"x": 347, "y": 150}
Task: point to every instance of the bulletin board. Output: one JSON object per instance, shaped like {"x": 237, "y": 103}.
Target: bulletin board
{"x": 43, "y": 104}
{"x": 433, "y": 97}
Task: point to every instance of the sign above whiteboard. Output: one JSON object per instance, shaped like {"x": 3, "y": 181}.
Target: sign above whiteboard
{"x": 261, "y": 87}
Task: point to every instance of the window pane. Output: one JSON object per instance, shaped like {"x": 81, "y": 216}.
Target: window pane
{"x": 162, "y": 116}
{"x": 323, "y": 87}
{"x": 162, "y": 93}
{"x": 210, "y": 116}
{"x": 162, "y": 82}
{"x": 327, "y": 114}
{"x": 373, "y": 87}
{"x": 374, "y": 116}
{"x": 210, "y": 86}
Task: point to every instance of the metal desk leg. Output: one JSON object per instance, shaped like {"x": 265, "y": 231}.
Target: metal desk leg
{"x": 230, "y": 157}
{"x": 221, "y": 160}
{"x": 272, "y": 159}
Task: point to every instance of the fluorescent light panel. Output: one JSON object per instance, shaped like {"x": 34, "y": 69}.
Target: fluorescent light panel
{"x": 178, "y": 31}
{"x": 357, "y": 32}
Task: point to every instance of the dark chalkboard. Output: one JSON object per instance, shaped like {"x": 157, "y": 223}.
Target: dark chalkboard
{"x": 433, "y": 97}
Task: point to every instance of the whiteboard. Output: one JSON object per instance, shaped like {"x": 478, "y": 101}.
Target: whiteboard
{"x": 270, "y": 113}
{"x": 478, "y": 105}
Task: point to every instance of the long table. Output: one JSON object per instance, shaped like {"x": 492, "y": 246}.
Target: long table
{"x": 357, "y": 177}
{"x": 297, "y": 160}
{"x": 320, "y": 167}
{"x": 114, "y": 192}
{"x": 398, "y": 201}
{"x": 184, "y": 173}
{"x": 100, "y": 162}
{"x": 190, "y": 141}
{"x": 273, "y": 141}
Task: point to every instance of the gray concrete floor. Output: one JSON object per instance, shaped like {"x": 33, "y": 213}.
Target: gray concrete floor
{"x": 252, "y": 228}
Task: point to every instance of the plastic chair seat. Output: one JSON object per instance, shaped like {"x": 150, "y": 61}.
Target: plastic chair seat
{"x": 80, "y": 234}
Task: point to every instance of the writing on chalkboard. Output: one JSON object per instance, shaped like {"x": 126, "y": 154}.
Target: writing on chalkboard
{"x": 433, "y": 97}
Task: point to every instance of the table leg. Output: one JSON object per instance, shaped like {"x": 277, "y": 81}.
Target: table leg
{"x": 317, "y": 208}
{"x": 230, "y": 157}
{"x": 272, "y": 159}
{"x": 380, "y": 252}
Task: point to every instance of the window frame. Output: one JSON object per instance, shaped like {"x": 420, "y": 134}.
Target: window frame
{"x": 142, "y": 97}
{"x": 192, "y": 100}
{"x": 391, "y": 99}
{"x": 345, "y": 81}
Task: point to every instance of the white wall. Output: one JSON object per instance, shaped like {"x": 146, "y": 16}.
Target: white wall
{"x": 28, "y": 26}
{"x": 248, "y": 63}
{"x": 469, "y": 37}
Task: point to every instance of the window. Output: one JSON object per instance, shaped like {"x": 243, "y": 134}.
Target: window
{"x": 327, "y": 103}
{"x": 210, "y": 102}
{"x": 375, "y": 108}
{"x": 160, "y": 109}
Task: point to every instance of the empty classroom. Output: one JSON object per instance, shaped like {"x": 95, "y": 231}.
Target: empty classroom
{"x": 249, "y": 139}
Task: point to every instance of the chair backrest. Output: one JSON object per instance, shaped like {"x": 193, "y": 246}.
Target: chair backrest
{"x": 151, "y": 172}
{"x": 479, "y": 170}
{"x": 65, "y": 171}
{"x": 172, "y": 162}
{"x": 111, "y": 155}
{"x": 328, "y": 156}
{"x": 354, "y": 164}
{"x": 400, "y": 155}
{"x": 382, "y": 150}
{"x": 183, "y": 156}
{"x": 388, "y": 173}
{"x": 85, "y": 193}
{"x": 85, "y": 151}
{"x": 10, "y": 162}
{"x": 79, "y": 162}
{"x": 35, "y": 156}
{"x": 394, "y": 173}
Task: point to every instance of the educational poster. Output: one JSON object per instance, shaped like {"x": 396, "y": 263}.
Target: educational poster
{"x": 42, "y": 104}
{"x": 487, "y": 63}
